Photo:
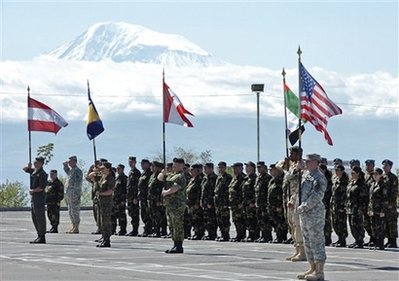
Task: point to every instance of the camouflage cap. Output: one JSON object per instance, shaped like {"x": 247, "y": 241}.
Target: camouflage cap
{"x": 53, "y": 171}
{"x": 355, "y": 162}
{"x": 40, "y": 159}
{"x": 379, "y": 171}
{"x": 103, "y": 160}
{"x": 178, "y": 160}
{"x": 339, "y": 168}
{"x": 222, "y": 164}
{"x": 313, "y": 156}
{"x": 145, "y": 161}
{"x": 337, "y": 160}
{"x": 250, "y": 163}
{"x": 260, "y": 164}
{"x": 196, "y": 166}
{"x": 209, "y": 165}
{"x": 296, "y": 149}
{"x": 106, "y": 165}
{"x": 369, "y": 162}
{"x": 237, "y": 164}
{"x": 157, "y": 164}
{"x": 73, "y": 158}
{"x": 387, "y": 162}
{"x": 121, "y": 166}
{"x": 132, "y": 158}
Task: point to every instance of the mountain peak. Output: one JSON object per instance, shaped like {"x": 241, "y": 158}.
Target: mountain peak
{"x": 121, "y": 41}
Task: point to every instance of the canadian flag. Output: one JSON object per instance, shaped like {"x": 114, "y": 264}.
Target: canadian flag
{"x": 173, "y": 109}
{"x": 43, "y": 118}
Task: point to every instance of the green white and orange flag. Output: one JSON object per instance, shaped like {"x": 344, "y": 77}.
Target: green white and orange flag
{"x": 292, "y": 104}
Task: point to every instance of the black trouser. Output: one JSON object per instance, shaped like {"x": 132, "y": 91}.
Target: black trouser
{"x": 38, "y": 212}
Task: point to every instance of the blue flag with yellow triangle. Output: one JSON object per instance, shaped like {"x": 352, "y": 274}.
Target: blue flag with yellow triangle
{"x": 94, "y": 123}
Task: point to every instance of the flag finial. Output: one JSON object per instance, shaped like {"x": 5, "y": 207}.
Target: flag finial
{"x": 28, "y": 90}
{"x": 299, "y": 52}
{"x": 283, "y": 72}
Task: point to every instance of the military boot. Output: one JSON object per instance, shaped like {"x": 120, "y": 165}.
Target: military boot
{"x": 74, "y": 229}
{"x": 171, "y": 249}
{"x": 301, "y": 256}
{"x": 178, "y": 249}
{"x": 341, "y": 242}
{"x": 312, "y": 268}
{"x": 39, "y": 240}
{"x": 294, "y": 254}
{"x": 318, "y": 275}
{"x": 104, "y": 244}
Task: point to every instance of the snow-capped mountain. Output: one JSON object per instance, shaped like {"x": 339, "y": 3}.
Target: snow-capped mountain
{"x": 121, "y": 42}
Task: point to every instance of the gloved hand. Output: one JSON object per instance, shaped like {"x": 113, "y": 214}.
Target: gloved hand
{"x": 300, "y": 209}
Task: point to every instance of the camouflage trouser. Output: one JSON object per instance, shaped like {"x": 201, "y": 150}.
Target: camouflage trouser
{"x": 210, "y": 220}
{"x": 277, "y": 221}
{"x": 295, "y": 225}
{"x": 223, "y": 219}
{"x": 145, "y": 216}
{"x": 38, "y": 212}
{"x": 119, "y": 215}
{"x": 339, "y": 222}
{"x": 251, "y": 221}
{"x": 96, "y": 213}
{"x": 357, "y": 226}
{"x": 196, "y": 215}
{"x": 312, "y": 225}
{"x": 263, "y": 219}
{"x": 73, "y": 202}
{"x": 133, "y": 210}
{"x": 367, "y": 224}
{"x": 157, "y": 214}
{"x": 105, "y": 214}
{"x": 239, "y": 221}
{"x": 328, "y": 225}
{"x": 53, "y": 214}
{"x": 378, "y": 229}
{"x": 176, "y": 222}
{"x": 391, "y": 223}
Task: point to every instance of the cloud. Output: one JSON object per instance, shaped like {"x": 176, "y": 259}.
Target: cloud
{"x": 214, "y": 91}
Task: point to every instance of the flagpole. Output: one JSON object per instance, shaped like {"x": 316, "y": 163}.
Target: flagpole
{"x": 94, "y": 139}
{"x": 285, "y": 114}
{"x": 299, "y": 52}
{"x": 163, "y": 120}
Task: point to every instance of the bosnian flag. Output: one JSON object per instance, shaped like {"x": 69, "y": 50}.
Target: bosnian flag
{"x": 43, "y": 118}
{"x": 173, "y": 109}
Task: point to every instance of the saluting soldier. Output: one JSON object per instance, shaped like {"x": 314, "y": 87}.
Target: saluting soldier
{"x": 133, "y": 206}
{"x": 208, "y": 201}
{"x": 248, "y": 199}
{"x": 261, "y": 186}
{"x": 54, "y": 196}
{"x": 119, "y": 197}
{"x": 155, "y": 205}
{"x": 235, "y": 200}
{"x": 222, "y": 202}
{"x": 143, "y": 197}
{"x": 195, "y": 212}
{"x": 391, "y": 220}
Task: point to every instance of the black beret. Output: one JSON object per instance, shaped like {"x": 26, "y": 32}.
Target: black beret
{"x": 379, "y": 171}
{"x": 157, "y": 164}
{"x": 209, "y": 165}
{"x": 196, "y": 166}
{"x": 53, "y": 171}
{"x": 296, "y": 149}
{"x": 260, "y": 163}
{"x": 103, "y": 160}
{"x": 121, "y": 166}
{"x": 369, "y": 162}
{"x": 106, "y": 165}
{"x": 222, "y": 164}
{"x": 387, "y": 161}
{"x": 132, "y": 158}
{"x": 237, "y": 164}
{"x": 250, "y": 163}
{"x": 336, "y": 160}
{"x": 340, "y": 167}
{"x": 354, "y": 162}
{"x": 145, "y": 161}
{"x": 178, "y": 160}
{"x": 40, "y": 159}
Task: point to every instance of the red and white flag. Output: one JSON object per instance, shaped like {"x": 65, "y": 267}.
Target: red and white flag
{"x": 173, "y": 109}
{"x": 43, "y": 118}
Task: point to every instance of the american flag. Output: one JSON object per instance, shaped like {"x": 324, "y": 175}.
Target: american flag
{"x": 316, "y": 107}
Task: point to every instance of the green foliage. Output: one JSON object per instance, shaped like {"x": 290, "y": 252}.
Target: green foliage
{"x": 189, "y": 156}
{"x": 13, "y": 194}
{"x": 46, "y": 151}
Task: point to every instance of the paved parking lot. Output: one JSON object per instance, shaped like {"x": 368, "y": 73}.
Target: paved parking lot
{"x": 75, "y": 257}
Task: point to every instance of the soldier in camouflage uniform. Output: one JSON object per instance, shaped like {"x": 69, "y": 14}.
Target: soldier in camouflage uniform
{"x": 338, "y": 199}
{"x": 208, "y": 201}
{"x": 174, "y": 195}
{"x": 261, "y": 186}
{"x": 369, "y": 180}
{"x": 38, "y": 181}
{"x": 356, "y": 201}
{"x": 143, "y": 197}
{"x": 275, "y": 208}
{"x": 391, "y": 218}
{"x": 311, "y": 210}
{"x": 133, "y": 206}
{"x": 119, "y": 197}
{"x": 377, "y": 209}
{"x": 248, "y": 199}
{"x": 195, "y": 212}
{"x": 222, "y": 202}
{"x": 327, "y": 204}
{"x": 235, "y": 200}
{"x": 73, "y": 191}
{"x": 54, "y": 196}
{"x": 155, "y": 205}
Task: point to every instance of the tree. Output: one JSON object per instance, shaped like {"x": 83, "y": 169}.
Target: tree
{"x": 46, "y": 151}
{"x": 13, "y": 194}
{"x": 189, "y": 156}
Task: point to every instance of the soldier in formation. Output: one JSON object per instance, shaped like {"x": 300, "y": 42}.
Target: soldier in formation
{"x": 119, "y": 198}
{"x": 222, "y": 202}
{"x": 132, "y": 196}
{"x": 54, "y": 196}
{"x": 195, "y": 213}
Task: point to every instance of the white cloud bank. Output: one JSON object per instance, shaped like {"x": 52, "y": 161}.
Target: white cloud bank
{"x": 137, "y": 88}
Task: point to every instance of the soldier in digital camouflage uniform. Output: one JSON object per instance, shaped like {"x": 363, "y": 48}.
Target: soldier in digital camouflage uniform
{"x": 275, "y": 208}
{"x": 38, "y": 181}
{"x": 369, "y": 180}
{"x": 356, "y": 202}
{"x": 311, "y": 210}
{"x": 261, "y": 187}
{"x": 133, "y": 206}
{"x": 377, "y": 209}
{"x": 174, "y": 195}
{"x": 235, "y": 200}
{"x": 195, "y": 212}
{"x": 327, "y": 204}
{"x": 119, "y": 197}
{"x": 391, "y": 218}
{"x": 73, "y": 192}
{"x": 208, "y": 201}
{"x": 222, "y": 202}
{"x": 54, "y": 196}
{"x": 155, "y": 204}
{"x": 248, "y": 199}
{"x": 338, "y": 199}
{"x": 143, "y": 197}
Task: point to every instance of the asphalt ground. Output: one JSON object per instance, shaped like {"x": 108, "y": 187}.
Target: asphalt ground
{"x": 75, "y": 257}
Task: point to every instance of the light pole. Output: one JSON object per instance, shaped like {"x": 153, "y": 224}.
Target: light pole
{"x": 257, "y": 88}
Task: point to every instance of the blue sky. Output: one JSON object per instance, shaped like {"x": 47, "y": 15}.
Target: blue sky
{"x": 350, "y": 48}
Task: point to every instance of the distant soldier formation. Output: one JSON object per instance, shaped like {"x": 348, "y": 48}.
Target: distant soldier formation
{"x": 183, "y": 201}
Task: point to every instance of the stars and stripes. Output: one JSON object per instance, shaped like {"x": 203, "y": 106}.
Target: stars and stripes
{"x": 316, "y": 107}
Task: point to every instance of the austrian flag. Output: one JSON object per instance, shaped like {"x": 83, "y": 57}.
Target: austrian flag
{"x": 173, "y": 109}
{"x": 43, "y": 118}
